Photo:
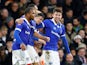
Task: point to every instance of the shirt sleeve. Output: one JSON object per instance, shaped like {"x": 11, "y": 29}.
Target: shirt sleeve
{"x": 65, "y": 42}
{"x": 17, "y": 33}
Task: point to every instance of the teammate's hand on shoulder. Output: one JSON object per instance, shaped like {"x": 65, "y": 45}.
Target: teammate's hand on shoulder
{"x": 42, "y": 41}
{"x": 23, "y": 46}
{"x": 19, "y": 20}
{"x": 47, "y": 39}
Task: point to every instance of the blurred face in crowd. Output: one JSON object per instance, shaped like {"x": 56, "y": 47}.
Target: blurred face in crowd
{"x": 68, "y": 2}
{"x": 49, "y": 15}
{"x": 57, "y": 16}
{"x": 61, "y": 53}
{"x": 4, "y": 13}
{"x": 69, "y": 26}
{"x": 82, "y": 52}
{"x": 78, "y": 40}
{"x": 73, "y": 52}
{"x": 85, "y": 27}
{"x": 2, "y": 52}
{"x": 4, "y": 31}
{"x": 45, "y": 9}
{"x": 23, "y": 1}
{"x": 36, "y": 2}
{"x": 0, "y": 34}
{"x": 15, "y": 7}
{"x": 69, "y": 14}
{"x": 69, "y": 59}
{"x": 76, "y": 22}
{"x": 82, "y": 33}
{"x": 53, "y": 1}
{"x": 85, "y": 17}
{"x": 38, "y": 19}
{"x": 11, "y": 23}
{"x": 9, "y": 44}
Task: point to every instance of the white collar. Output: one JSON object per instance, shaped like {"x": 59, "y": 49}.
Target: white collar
{"x": 55, "y": 22}
{"x": 27, "y": 21}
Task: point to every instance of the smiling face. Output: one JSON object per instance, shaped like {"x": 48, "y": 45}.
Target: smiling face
{"x": 57, "y": 16}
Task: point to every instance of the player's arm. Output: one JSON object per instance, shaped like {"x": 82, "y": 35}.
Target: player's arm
{"x": 39, "y": 40}
{"x": 63, "y": 37}
{"x": 17, "y": 37}
{"x": 19, "y": 20}
{"x": 36, "y": 34}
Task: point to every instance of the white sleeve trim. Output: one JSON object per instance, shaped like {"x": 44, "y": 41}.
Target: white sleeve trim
{"x": 43, "y": 24}
{"x": 18, "y": 29}
{"x": 63, "y": 35}
{"x": 56, "y": 34}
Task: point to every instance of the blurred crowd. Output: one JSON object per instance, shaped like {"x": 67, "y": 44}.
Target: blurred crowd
{"x": 74, "y": 19}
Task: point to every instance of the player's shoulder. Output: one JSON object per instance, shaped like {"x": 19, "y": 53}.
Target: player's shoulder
{"x": 62, "y": 25}
{"x": 47, "y": 20}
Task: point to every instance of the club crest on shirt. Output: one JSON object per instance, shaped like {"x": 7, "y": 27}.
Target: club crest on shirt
{"x": 26, "y": 32}
{"x": 54, "y": 28}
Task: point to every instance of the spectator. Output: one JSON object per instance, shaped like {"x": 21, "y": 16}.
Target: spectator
{"x": 51, "y": 4}
{"x": 4, "y": 33}
{"x": 69, "y": 61}
{"x": 80, "y": 59}
{"x": 22, "y": 3}
{"x": 61, "y": 55}
{"x": 9, "y": 51}
{"x": 82, "y": 34}
{"x": 45, "y": 10}
{"x": 4, "y": 14}
{"x": 59, "y": 6}
{"x": 68, "y": 16}
{"x": 10, "y": 25}
{"x": 77, "y": 25}
{"x": 67, "y": 4}
{"x": 70, "y": 32}
{"x": 60, "y": 44}
{"x": 85, "y": 29}
{"x": 73, "y": 52}
{"x": 49, "y": 15}
{"x": 2, "y": 43}
{"x": 83, "y": 18}
{"x": 14, "y": 11}
{"x": 77, "y": 42}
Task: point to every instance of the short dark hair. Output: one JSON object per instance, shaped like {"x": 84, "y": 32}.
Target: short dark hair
{"x": 39, "y": 14}
{"x": 56, "y": 10}
{"x": 31, "y": 5}
{"x": 28, "y": 9}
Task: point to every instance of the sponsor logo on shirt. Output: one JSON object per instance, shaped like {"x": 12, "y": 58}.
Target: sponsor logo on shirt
{"x": 26, "y": 32}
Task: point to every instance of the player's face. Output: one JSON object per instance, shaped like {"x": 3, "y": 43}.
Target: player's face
{"x": 39, "y": 19}
{"x": 32, "y": 14}
{"x": 57, "y": 16}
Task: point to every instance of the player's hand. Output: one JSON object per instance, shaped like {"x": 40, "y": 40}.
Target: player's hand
{"x": 42, "y": 41}
{"x": 19, "y": 21}
{"x": 47, "y": 39}
{"x": 70, "y": 55}
{"x": 23, "y": 46}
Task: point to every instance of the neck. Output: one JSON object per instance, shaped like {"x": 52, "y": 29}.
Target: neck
{"x": 56, "y": 21}
{"x": 27, "y": 18}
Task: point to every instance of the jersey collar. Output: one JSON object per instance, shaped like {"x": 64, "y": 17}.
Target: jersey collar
{"x": 27, "y": 21}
